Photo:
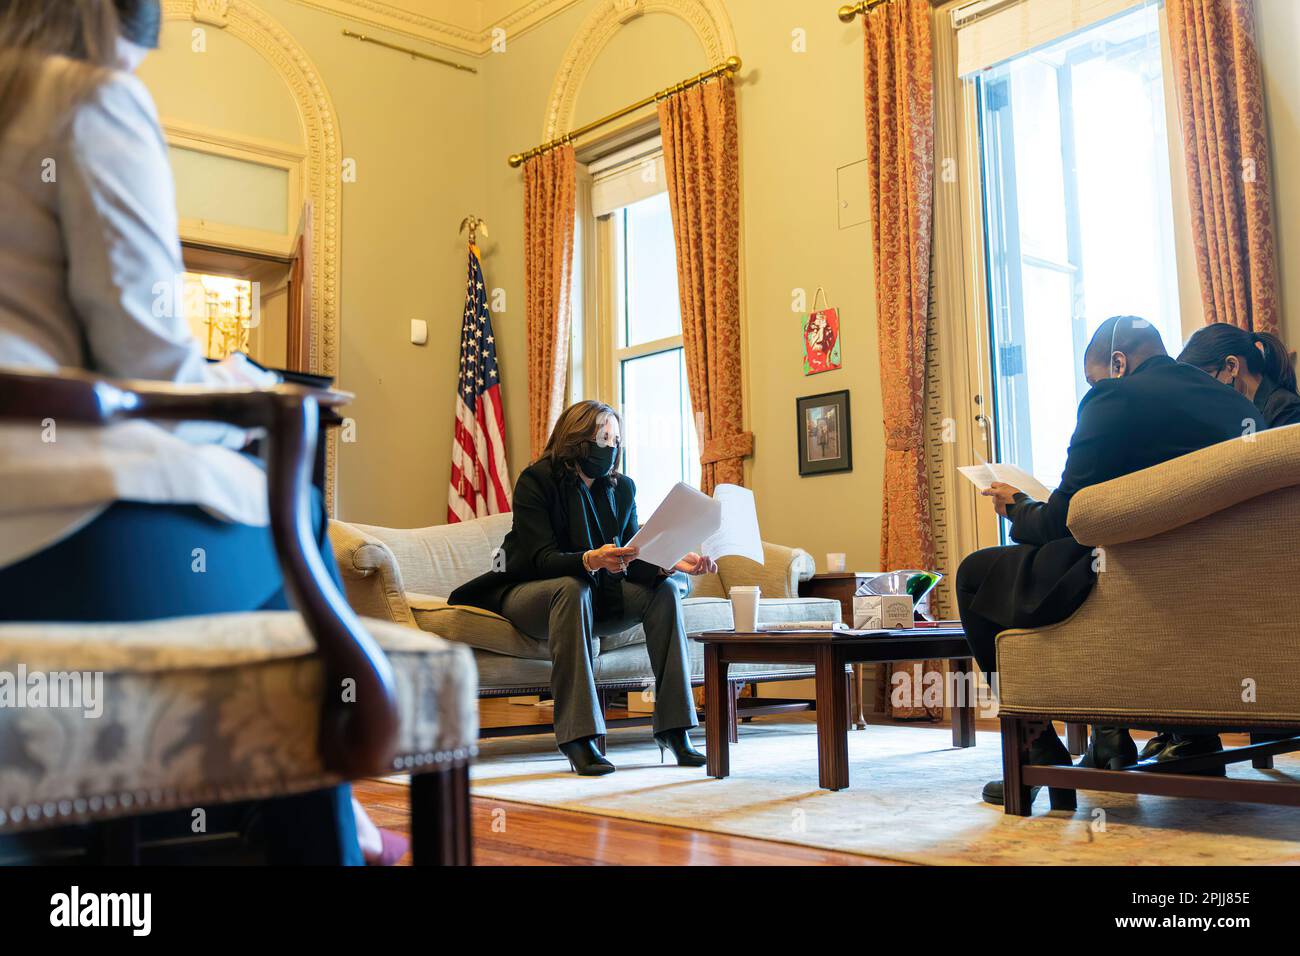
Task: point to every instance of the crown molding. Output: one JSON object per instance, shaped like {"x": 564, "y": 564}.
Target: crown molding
{"x": 468, "y": 28}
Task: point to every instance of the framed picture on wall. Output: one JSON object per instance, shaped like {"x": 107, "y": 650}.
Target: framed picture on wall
{"x": 825, "y": 438}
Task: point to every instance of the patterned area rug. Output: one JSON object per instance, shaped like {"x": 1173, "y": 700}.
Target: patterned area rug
{"x": 912, "y": 798}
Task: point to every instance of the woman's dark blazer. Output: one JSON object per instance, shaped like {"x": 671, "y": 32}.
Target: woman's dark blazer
{"x": 1277, "y": 406}
{"x": 553, "y": 528}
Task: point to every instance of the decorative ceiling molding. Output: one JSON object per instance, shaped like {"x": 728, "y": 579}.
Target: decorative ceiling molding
{"x": 250, "y": 24}
{"x": 708, "y": 18}
{"x": 469, "y": 28}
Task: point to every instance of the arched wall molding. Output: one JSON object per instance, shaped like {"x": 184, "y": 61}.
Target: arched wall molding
{"x": 708, "y": 18}
{"x": 250, "y": 24}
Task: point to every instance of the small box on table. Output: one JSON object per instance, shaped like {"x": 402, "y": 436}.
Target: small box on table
{"x": 877, "y": 611}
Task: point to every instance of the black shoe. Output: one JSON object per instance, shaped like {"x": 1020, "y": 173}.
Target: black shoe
{"x": 679, "y": 742}
{"x": 585, "y": 759}
{"x": 1153, "y": 747}
{"x": 1046, "y": 751}
{"x": 1111, "y": 748}
{"x": 1194, "y": 745}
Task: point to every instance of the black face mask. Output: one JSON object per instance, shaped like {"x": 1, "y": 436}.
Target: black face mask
{"x": 599, "y": 461}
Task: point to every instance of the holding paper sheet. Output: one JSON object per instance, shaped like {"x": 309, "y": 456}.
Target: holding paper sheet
{"x": 985, "y": 473}
{"x": 725, "y": 524}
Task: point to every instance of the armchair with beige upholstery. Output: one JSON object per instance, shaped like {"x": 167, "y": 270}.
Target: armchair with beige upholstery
{"x": 1194, "y": 623}
{"x": 405, "y": 575}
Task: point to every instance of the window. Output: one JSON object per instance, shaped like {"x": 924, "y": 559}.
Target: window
{"x": 632, "y": 348}
{"x": 1078, "y": 220}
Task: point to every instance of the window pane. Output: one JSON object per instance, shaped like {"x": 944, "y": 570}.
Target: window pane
{"x": 652, "y": 308}
{"x": 659, "y": 443}
{"x": 1079, "y": 221}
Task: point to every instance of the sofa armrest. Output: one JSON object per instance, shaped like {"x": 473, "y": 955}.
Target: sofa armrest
{"x": 1186, "y": 489}
{"x": 371, "y": 577}
{"x": 778, "y": 576}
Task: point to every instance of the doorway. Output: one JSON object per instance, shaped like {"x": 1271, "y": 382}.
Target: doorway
{"x": 247, "y": 302}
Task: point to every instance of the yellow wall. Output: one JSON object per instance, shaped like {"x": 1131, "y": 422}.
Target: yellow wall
{"x": 801, "y": 118}
{"x": 1278, "y": 28}
{"x": 416, "y": 131}
{"x": 431, "y": 143}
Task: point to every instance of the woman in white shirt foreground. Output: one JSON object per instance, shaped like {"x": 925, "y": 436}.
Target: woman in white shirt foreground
{"x": 89, "y": 251}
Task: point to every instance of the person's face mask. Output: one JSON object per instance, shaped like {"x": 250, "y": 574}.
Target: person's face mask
{"x": 599, "y": 460}
{"x": 129, "y": 55}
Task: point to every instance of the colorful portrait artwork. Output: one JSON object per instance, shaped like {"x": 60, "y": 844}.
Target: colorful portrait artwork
{"x": 821, "y": 341}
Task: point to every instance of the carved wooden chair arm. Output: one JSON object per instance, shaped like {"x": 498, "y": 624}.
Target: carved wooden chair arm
{"x": 358, "y": 735}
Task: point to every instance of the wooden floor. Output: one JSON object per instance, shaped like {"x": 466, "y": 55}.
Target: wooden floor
{"x": 517, "y": 834}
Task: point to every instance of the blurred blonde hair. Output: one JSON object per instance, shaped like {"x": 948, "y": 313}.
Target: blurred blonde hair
{"x": 31, "y": 31}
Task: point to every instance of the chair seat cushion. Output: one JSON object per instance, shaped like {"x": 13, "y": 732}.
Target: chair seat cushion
{"x": 177, "y": 712}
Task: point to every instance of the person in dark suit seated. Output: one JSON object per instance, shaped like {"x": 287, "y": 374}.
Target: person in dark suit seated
{"x": 1143, "y": 408}
{"x": 1256, "y": 364}
{"x": 568, "y": 577}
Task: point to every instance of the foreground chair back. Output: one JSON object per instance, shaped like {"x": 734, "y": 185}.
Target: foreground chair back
{"x": 378, "y": 698}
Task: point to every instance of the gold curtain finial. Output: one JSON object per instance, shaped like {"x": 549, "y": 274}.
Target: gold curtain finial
{"x": 850, "y": 10}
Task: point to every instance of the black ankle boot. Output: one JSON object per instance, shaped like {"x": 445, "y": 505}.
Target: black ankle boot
{"x": 1194, "y": 745}
{"x": 679, "y": 742}
{"x": 1046, "y": 751}
{"x": 1111, "y": 748}
{"x": 1153, "y": 746}
{"x": 585, "y": 759}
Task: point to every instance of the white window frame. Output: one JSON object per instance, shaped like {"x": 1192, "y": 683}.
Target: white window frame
{"x": 602, "y": 336}
{"x": 965, "y": 324}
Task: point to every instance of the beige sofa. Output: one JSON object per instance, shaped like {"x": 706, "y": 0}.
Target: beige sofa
{"x": 1194, "y": 621}
{"x": 404, "y": 576}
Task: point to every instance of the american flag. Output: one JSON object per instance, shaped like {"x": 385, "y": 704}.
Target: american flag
{"x": 480, "y": 481}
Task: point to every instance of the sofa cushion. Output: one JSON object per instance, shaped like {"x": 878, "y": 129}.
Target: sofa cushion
{"x": 487, "y": 631}
{"x": 476, "y": 627}
{"x": 192, "y": 710}
{"x": 625, "y": 664}
{"x": 438, "y": 560}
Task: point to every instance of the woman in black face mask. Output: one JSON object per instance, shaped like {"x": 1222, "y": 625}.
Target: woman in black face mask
{"x": 569, "y": 577}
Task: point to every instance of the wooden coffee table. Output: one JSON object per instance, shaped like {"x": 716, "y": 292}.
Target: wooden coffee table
{"x": 830, "y": 652}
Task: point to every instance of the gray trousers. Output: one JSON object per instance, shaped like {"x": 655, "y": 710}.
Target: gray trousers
{"x": 561, "y": 612}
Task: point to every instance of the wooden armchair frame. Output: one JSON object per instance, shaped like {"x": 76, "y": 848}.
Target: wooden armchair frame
{"x": 359, "y": 738}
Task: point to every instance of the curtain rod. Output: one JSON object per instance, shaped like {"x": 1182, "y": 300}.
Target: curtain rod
{"x": 404, "y": 49}
{"x": 851, "y": 10}
{"x": 731, "y": 66}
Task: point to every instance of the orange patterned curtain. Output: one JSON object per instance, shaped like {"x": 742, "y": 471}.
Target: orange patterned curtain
{"x": 550, "y": 201}
{"x": 900, "y": 167}
{"x": 1225, "y": 137}
{"x": 701, "y": 156}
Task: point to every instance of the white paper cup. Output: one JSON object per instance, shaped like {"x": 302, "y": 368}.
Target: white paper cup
{"x": 836, "y": 563}
{"x": 744, "y": 608}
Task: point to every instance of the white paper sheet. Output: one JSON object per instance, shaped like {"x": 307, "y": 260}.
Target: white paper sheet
{"x": 739, "y": 533}
{"x": 985, "y": 473}
{"x": 688, "y": 520}
{"x": 679, "y": 525}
